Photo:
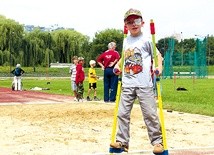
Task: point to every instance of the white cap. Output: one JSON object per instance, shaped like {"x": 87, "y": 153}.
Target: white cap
{"x": 92, "y": 62}
{"x": 18, "y": 66}
{"x": 80, "y": 58}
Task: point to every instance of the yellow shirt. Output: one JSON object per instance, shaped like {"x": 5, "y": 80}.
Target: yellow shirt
{"x": 92, "y": 77}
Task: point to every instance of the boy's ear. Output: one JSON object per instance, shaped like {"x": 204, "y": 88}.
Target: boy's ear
{"x": 142, "y": 23}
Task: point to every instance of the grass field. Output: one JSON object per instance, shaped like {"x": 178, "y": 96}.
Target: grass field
{"x": 64, "y": 72}
{"x": 197, "y": 99}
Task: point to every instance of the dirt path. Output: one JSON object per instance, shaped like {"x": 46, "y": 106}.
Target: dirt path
{"x": 85, "y": 128}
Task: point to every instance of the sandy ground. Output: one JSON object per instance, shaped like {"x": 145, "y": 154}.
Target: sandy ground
{"x": 85, "y": 128}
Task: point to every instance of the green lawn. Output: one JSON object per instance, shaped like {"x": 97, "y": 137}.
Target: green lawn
{"x": 197, "y": 99}
{"x": 64, "y": 72}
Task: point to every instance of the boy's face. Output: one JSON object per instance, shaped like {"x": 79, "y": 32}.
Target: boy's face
{"x": 81, "y": 61}
{"x": 92, "y": 65}
{"x": 134, "y": 24}
{"x": 75, "y": 61}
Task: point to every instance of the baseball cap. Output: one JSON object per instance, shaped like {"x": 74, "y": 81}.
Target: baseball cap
{"x": 80, "y": 58}
{"x": 75, "y": 57}
{"x": 18, "y": 66}
{"x": 92, "y": 62}
{"x": 132, "y": 12}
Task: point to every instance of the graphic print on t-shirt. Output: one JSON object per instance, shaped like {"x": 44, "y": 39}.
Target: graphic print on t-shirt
{"x": 133, "y": 61}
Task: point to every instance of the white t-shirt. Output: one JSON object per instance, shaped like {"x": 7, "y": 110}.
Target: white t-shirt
{"x": 73, "y": 72}
{"x": 137, "y": 62}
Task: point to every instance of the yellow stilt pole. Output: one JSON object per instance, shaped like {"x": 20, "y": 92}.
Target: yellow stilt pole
{"x": 114, "y": 125}
{"x": 160, "y": 103}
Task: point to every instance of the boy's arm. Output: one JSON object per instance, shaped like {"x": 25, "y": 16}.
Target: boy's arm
{"x": 12, "y": 71}
{"x": 91, "y": 73}
{"x": 118, "y": 64}
{"x": 77, "y": 75}
{"x": 117, "y": 68}
{"x": 160, "y": 66}
{"x": 22, "y": 71}
{"x": 93, "y": 76}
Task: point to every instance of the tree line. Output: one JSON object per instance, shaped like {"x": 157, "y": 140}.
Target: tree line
{"x": 40, "y": 48}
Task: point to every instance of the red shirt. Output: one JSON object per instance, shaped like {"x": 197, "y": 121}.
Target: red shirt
{"x": 107, "y": 57}
{"x": 80, "y": 75}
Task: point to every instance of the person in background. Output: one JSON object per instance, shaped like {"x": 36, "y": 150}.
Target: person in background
{"x": 72, "y": 71}
{"x": 137, "y": 83}
{"x": 92, "y": 80}
{"x": 107, "y": 61}
{"x": 17, "y": 82}
{"x": 80, "y": 77}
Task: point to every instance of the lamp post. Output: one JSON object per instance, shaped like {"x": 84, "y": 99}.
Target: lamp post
{"x": 182, "y": 50}
{"x": 10, "y": 52}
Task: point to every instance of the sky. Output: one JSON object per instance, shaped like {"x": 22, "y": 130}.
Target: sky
{"x": 185, "y": 18}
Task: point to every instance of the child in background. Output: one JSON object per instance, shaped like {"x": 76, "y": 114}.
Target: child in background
{"x": 73, "y": 72}
{"x": 80, "y": 77}
{"x": 92, "y": 81}
{"x": 17, "y": 82}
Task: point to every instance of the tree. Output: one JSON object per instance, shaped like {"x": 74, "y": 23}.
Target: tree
{"x": 39, "y": 48}
{"x": 210, "y": 50}
{"x": 102, "y": 39}
{"x": 10, "y": 40}
{"x": 67, "y": 44}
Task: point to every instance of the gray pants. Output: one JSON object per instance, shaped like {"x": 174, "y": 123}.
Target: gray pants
{"x": 149, "y": 111}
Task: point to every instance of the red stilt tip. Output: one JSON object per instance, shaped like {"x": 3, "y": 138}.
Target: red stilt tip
{"x": 152, "y": 27}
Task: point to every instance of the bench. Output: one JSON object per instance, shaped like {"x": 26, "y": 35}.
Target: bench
{"x": 180, "y": 74}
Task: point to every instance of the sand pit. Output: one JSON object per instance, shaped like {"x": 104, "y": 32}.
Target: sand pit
{"x": 85, "y": 128}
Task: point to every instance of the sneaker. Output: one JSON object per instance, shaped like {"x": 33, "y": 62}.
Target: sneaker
{"x": 80, "y": 100}
{"x": 96, "y": 99}
{"x": 158, "y": 148}
{"x": 88, "y": 98}
{"x": 119, "y": 145}
{"x": 75, "y": 99}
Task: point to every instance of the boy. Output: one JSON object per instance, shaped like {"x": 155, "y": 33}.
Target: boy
{"x": 17, "y": 82}
{"x": 137, "y": 83}
{"x": 73, "y": 72}
{"x": 80, "y": 77}
{"x": 92, "y": 80}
